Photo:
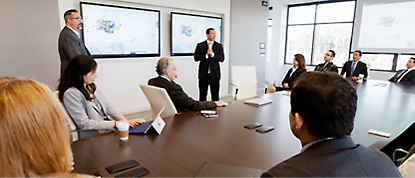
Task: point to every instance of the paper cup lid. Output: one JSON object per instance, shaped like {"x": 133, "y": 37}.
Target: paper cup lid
{"x": 122, "y": 125}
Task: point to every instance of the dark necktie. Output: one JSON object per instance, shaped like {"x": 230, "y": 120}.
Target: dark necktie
{"x": 400, "y": 76}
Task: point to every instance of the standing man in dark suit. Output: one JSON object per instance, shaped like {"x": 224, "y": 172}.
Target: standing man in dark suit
{"x": 405, "y": 76}
{"x": 209, "y": 53}
{"x": 327, "y": 65}
{"x": 70, "y": 43}
{"x": 166, "y": 69}
{"x": 323, "y": 107}
{"x": 355, "y": 67}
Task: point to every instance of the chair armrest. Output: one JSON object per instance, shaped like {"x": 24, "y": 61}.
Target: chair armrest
{"x": 262, "y": 84}
{"x": 233, "y": 84}
{"x": 395, "y": 159}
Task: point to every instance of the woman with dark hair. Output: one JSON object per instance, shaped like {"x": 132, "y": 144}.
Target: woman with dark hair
{"x": 83, "y": 101}
{"x": 292, "y": 74}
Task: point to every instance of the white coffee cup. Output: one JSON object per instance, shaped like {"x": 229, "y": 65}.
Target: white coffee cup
{"x": 361, "y": 76}
{"x": 123, "y": 130}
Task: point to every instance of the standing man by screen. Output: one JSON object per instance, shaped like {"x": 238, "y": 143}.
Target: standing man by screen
{"x": 70, "y": 43}
{"x": 209, "y": 53}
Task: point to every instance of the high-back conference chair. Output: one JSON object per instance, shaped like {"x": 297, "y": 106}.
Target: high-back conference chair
{"x": 244, "y": 82}
{"x": 158, "y": 98}
{"x": 77, "y": 134}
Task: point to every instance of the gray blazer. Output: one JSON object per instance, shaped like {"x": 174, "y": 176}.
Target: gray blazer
{"x": 85, "y": 114}
{"x": 336, "y": 158}
{"x": 70, "y": 45}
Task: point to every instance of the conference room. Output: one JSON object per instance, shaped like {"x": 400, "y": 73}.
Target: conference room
{"x": 262, "y": 34}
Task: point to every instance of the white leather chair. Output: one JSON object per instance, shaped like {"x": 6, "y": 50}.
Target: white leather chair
{"x": 244, "y": 82}
{"x": 368, "y": 70}
{"x": 406, "y": 165}
{"x": 158, "y": 98}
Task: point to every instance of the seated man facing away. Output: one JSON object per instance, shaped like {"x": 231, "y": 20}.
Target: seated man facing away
{"x": 323, "y": 107}
{"x": 327, "y": 65}
{"x": 166, "y": 69}
{"x": 405, "y": 76}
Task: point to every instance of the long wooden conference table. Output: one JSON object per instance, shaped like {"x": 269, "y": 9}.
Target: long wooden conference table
{"x": 188, "y": 141}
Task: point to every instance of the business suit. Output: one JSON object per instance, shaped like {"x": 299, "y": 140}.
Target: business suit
{"x": 336, "y": 158}
{"x": 409, "y": 77}
{"x": 70, "y": 45}
{"x": 360, "y": 68}
{"x": 213, "y": 78}
{"x": 290, "y": 79}
{"x": 329, "y": 67}
{"x": 180, "y": 99}
{"x": 86, "y": 114}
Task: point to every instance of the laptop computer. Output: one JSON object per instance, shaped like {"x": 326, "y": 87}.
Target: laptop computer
{"x": 158, "y": 125}
{"x": 258, "y": 102}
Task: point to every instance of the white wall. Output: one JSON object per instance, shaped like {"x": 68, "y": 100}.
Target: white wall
{"x": 276, "y": 69}
{"x": 29, "y": 40}
{"x": 119, "y": 78}
{"x": 248, "y": 29}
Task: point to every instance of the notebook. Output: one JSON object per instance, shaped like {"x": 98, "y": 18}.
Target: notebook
{"x": 212, "y": 169}
{"x": 158, "y": 125}
{"x": 258, "y": 102}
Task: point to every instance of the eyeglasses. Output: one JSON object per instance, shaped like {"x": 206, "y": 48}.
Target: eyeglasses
{"x": 77, "y": 18}
{"x": 327, "y": 54}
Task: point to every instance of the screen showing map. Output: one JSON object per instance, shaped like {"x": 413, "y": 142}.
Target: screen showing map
{"x": 187, "y": 30}
{"x": 390, "y": 26}
{"x": 115, "y": 31}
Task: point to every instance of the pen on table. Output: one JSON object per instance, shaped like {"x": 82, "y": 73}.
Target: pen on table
{"x": 196, "y": 114}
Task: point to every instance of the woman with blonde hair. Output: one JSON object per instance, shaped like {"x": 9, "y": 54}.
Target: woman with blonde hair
{"x": 34, "y": 139}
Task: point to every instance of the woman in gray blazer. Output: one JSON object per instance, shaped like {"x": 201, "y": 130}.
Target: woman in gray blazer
{"x": 83, "y": 101}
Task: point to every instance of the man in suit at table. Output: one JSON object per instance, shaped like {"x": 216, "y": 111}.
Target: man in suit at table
{"x": 70, "y": 43}
{"x": 166, "y": 69}
{"x": 405, "y": 76}
{"x": 209, "y": 53}
{"x": 355, "y": 67}
{"x": 327, "y": 65}
{"x": 323, "y": 107}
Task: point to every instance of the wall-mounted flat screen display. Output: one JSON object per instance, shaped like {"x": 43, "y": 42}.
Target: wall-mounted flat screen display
{"x": 188, "y": 29}
{"x": 115, "y": 31}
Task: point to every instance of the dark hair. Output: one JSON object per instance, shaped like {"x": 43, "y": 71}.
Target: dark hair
{"x": 358, "y": 51}
{"x": 208, "y": 30}
{"x": 413, "y": 58}
{"x": 68, "y": 13}
{"x": 301, "y": 60}
{"x": 333, "y": 53}
{"x": 327, "y": 103}
{"x": 73, "y": 76}
{"x": 163, "y": 64}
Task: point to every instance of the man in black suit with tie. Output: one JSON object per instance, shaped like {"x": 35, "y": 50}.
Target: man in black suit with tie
{"x": 70, "y": 43}
{"x": 327, "y": 65}
{"x": 405, "y": 76}
{"x": 166, "y": 69}
{"x": 323, "y": 108}
{"x": 209, "y": 53}
{"x": 355, "y": 67}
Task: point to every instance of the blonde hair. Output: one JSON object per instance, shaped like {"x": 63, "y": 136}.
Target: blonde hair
{"x": 33, "y": 130}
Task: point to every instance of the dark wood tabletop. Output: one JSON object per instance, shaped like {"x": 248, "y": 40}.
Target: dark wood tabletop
{"x": 187, "y": 142}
